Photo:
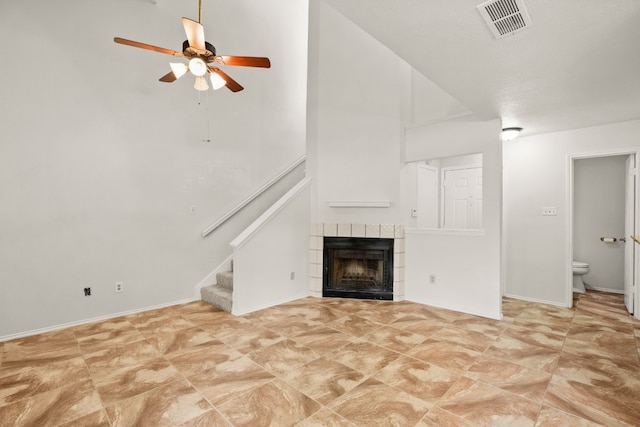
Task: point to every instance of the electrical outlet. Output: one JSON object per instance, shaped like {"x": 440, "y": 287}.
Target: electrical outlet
{"x": 87, "y": 292}
{"x": 432, "y": 278}
{"x": 192, "y": 210}
{"x": 119, "y": 287}
{"x": 549, "y": 211}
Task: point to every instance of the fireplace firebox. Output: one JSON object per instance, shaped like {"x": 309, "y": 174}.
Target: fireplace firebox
{"x": 355, "y": 267}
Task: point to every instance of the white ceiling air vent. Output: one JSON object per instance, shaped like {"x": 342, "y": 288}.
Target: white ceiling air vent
{"x": 505, "y": 17}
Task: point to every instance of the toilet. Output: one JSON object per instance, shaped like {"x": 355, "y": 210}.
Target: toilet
{"x": 579, "y": 270}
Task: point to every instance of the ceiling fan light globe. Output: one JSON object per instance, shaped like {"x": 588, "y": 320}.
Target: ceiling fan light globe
{"x": 178, "y": 68}
{"x": 197, "y": 67}
{"x": 217, "y": 81}
{"x": 201, "y": 83}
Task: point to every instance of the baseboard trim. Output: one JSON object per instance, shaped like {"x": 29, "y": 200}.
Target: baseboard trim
{"x": 268, "y": 305}
{"x": 91, "y": 320}
{"x": 611, "y": 291}
{"x": 487, "y": 315}
{"x": 536, "y": 300}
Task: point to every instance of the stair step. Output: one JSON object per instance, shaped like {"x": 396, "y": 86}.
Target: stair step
{"x": 225, "y": 279}
{"x": 218, "y": 296}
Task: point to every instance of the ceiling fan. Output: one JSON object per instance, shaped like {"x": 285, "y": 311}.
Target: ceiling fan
{"x": 202, "y": 58}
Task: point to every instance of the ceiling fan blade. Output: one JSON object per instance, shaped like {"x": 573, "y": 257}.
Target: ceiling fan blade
{"x": 169, "y": 77}
{"x": 147, "y": 46}
{"x": 232, "y": 85}
{"x": 195, "y": 33}
{"x": 244, "y": 61}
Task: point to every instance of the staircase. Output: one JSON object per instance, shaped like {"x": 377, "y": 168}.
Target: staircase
{"x": 220, "y": 294}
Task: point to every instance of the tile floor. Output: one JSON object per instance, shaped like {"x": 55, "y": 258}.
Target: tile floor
{"x": 332, "y": 362}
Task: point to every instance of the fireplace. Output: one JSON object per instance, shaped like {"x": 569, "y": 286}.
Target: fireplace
{"x": 356, "y": 267}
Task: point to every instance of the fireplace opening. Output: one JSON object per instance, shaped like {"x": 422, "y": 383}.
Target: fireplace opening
{"x": 356, "y": 267}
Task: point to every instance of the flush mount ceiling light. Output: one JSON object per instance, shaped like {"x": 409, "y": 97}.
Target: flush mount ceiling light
{"x": 201, "y": 55}
{"x": 510, "y": 133}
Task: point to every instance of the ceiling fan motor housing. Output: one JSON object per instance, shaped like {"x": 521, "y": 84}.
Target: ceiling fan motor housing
{"x": 191, "y": 52}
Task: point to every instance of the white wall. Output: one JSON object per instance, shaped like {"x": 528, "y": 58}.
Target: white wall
{"x": 361, "y": 98}
{"x": 536, "y": 172}
{"x": 270, "y": 258}
{"x": 100, "y": 162}
{"x": 354, "y": 120}
{"x": 598, "y": 211}
{"x": 466, "y": 265}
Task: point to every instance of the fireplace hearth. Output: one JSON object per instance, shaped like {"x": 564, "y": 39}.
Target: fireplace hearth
{"x": 356, "y": 267}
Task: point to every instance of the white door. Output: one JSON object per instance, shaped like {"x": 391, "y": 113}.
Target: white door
{"x": 462, "y": 195}
{"x": 630, "y": 230}
{"x": 427, "y": 202}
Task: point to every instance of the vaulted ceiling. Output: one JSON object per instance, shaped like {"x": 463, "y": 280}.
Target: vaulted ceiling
{"x": 577, "y": 65}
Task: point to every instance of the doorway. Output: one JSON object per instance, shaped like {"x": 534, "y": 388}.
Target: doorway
{"x": 603, "y": 219}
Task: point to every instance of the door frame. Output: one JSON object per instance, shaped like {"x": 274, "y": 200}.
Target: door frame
{"x": 569, "y": 220}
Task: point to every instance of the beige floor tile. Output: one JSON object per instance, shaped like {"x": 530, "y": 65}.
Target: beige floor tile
{"x": 324, "y": 379}
{"x": 230, "y": 379}
{"x": 482, "y": 325}
{"x": 109, "y": 338}
{"x": 210, "y": 418}
{"x": 530, "y": 356}
{"x": 191, "y": 360}
{"x": 43, "y": 348}
{"x": 417, "y": 325}
{"x": 354, "y": 325}
{"x": 534, "y": 336}
{"x": 418, "y": 378}
{"x": 110, "y": 359}
{"x": 618, "y": 348}
{"x": 325, "y": 418}
{"x": 438, "y": 417}
{"x": 551, "y": 417}
{"x": 369, "y": 362}
{"x": 272, "y": 404}
{"x": 467, "y": 339}
{"x": 352, "y": 355}
{"x": 160, "y": 323}
{"x": 21, "y": 383}
{"x": 449, "y": 356}
{"x": 168, "y": 340}
{"x": 373, "y": 403}
{"x": 283, "y": 356}
{"x": 394, "y": 339}
{"x": 250, "y": 338}
{"x": 486, "y": 405}
{"x": 94, "y": 419}
{"x": 323, "y": 339}
{"x": 133, "y": 380}
{"x": 169, "y": 405}
{"x": 606, "y": 406}
{"x": 53, "y": 407}
{"x": 292, "y": 326}
{"x": 511, "y": 377}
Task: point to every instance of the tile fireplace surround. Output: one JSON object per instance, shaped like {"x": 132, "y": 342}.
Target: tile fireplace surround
{"x": 318, "y": 231}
